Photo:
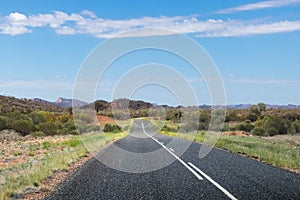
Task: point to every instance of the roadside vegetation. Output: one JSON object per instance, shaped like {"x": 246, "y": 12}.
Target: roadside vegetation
{"x": 25, "y": 164}
{"x": 37, "y": 140}
{"x": 279, "y": 151}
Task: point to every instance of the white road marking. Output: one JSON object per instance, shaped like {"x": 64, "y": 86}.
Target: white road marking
{"x": 213, "y": 182}
{"x": 171, "y": 149}
{"x": 179, "y": 159}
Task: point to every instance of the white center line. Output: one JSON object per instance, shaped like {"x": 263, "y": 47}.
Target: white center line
{"x": 192, "y": 168}
{"x": 171, "y": 149}
{"x": 179, "y": 159}
{"x": 213, "y": 182}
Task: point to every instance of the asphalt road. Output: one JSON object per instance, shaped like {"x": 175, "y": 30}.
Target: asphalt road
{"x": 146, "y": 165}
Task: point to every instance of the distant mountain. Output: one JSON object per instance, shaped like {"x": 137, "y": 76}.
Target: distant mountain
{"x": 66, "y": 103}
{"x": 135, "y": 104}
{"x": 288, "y": 106}
{"x": 10, "y": 104}
{"x": 41, "y": 101}
{"x": 239, "y": 106}
{"x": 61, "y": 102}
{"x": 247, "y": 106}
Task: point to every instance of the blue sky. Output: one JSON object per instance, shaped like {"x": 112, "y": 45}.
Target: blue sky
{"x": 255, "y": 45}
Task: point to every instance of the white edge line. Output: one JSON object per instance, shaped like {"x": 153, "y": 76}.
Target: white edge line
{"x": 181, "y": 161}
{"x": 213, "y": 182}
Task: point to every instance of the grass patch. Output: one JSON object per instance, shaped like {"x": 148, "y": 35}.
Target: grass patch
{"x": 59, "y": 156}
{"x": 275, "y": 153}
{"x": 72, "y": 143}
{"x": 46, "y": 145}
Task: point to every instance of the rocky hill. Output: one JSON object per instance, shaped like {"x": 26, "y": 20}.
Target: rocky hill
{"x": 62, "y": 102}
{"x": 9, "y": 104}
{"x": 67, "y": 103}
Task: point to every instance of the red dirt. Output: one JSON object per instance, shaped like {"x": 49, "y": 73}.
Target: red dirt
{"x": 235, "y": 133}
{"x": 104, "y": 119}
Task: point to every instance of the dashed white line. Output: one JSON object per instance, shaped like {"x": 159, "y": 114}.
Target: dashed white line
{"x": 213, "y": 182}
{"x": 179, "y": 159}
{"x": 192, "y": 168}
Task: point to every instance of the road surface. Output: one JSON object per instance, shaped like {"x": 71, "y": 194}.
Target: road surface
{"x": 146, "y": 165}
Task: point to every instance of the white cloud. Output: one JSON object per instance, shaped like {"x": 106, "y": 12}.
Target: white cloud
{"x": 260, "y": 5}
{"x": 88, "y": 23}
{"x": 17, "y": 17}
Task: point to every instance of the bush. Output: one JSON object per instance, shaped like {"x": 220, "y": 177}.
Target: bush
{"x": 15, "y": 116}
{"x": 64, "y": 118}
{"x": 296, "y": 125}
{"x": 69, "y": 126}
{"x": 38, "y": 134}
{"x": 276, "y": 125}
{"x": 245, "y": 126}
{"x": 168, "y": 129}
{"x": 49, "y": 128}
{"x": 24, "y": 127}
{"x": 112, "y": 128}
{"x": 3, "y": 123}
{"x": 37, "y": 117}
{"x": 260, "y": 131}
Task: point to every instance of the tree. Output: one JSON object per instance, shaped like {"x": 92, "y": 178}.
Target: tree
{"x": 262, "y": 107}
{"x": 252, "y": 117}
{"x": 254, "y": 109}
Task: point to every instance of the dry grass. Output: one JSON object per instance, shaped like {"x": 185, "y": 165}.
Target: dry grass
{"x": 25, "y": 164}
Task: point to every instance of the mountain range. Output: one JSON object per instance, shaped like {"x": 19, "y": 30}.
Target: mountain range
{"x": 62, "y": 102}
{"x": 65, "y": 103}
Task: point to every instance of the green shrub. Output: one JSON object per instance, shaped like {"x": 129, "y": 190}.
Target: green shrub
{"x": 276, "y": 125}
{"x": 37, "y": 117}
{"x": 72, "y": 143}
{"x": 3, "y": 123}
{"x": 15, "y": 116}
{"x": 73, "y": 132}
{"x": 112, "y": 128}
{"x": 252, "y": 117}
{"x": 38, "y": 133}
{"x": 49, "y": 128}
{"x": 46, "y": 145}
{"x": 260, "y": 131}
{"x": 168, "y": 129}
{"x": 244, "y": 126}
{"x": 296, "y": 125}
{"x": 24, "y": 127}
